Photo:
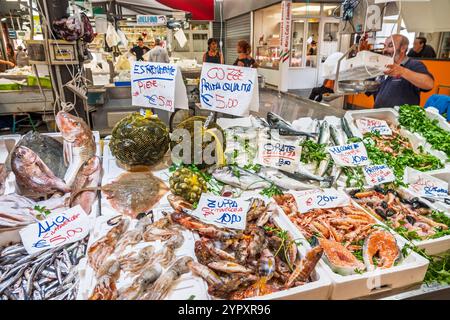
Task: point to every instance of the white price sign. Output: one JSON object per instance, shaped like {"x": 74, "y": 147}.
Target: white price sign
{"x": 378, "y": 174}
{"x": 349, "y": 155}
{"x": 157, "y": 85}
{"x": 322, "y": 199}
{"x": 424, "y": 185}
{"x": 229, "y": 89}
{"x": 368, "y": 125}
{"x": 58, "y": 229}
{"x": 222, "y": 212}
{"x": 279, "y": 154}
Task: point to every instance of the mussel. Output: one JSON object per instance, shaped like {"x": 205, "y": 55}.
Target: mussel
{"x": 381, "y": 213}
{"x": 411, "y": 220}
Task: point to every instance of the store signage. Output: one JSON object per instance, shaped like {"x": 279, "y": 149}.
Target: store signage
{"x": 222, "y": 212}
{"x": 285, "y": 31}
{"x": 378, "y": 174}
{"x": 151, "y": 20}
{"x": 322, "y": 199}
{"x": 12, "y": 34}
{"x": 229, "y": 89}
{"x": 373, "y": 18}
{"x": 424, "y": 185}
{"x": 369, "y": 125}
{"x": 157, "y": 85}
{"x": 282, "y": 155}
{"x": 58, "y": 229}
{"x": 349, "y": 155}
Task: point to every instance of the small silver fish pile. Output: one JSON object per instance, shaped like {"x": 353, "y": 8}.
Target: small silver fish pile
{"x": 46, "y": 275}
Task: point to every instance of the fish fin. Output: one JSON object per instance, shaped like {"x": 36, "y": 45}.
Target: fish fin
{"x": 67, "y": 150}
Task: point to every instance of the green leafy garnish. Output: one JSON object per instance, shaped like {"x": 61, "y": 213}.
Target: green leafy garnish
{"x": 313, "y": 152}
{"x": 271, "y": 191}
{"x": 42, "y": 210}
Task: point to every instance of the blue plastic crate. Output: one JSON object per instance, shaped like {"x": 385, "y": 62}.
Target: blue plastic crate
{"x": 122, "y": 83}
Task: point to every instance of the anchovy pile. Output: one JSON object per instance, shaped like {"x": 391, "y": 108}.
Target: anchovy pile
{"x": 46, "y": 275}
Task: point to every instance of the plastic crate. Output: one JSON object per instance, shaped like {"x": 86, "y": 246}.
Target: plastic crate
{"x": 45, "y": 82}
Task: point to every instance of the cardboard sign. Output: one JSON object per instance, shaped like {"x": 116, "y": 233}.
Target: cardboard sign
{"x": 157, "y": 85}
{"x": 349, "y": 155}
{"x": 378, "y": 174}
{"x": 366, "y": 125}
{"x": 279, "y": 154}
{"x": 222, "y": 212}
{"x": 322, "y": 199}
{"x": 229, "y": 89}
{"x": 58, "y": 229}
{"x": 424, "y": 185}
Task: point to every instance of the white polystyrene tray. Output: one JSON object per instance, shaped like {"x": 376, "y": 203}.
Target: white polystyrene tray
{"x": 412, "y": 270}
{"x": 183, "y": 288}
{"x": 391, "y": 116}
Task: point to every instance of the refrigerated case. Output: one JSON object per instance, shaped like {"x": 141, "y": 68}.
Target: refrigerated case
{"x": 444, "y": 46}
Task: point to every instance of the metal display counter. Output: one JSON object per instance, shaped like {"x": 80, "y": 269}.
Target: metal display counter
{"x": 25, "y": 100}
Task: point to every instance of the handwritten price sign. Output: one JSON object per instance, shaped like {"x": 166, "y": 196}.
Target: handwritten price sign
{"x": 325, "y": 199}
{"x": 58, "y": 229}
{"x": 366, "y": 125}
{"x": 279, "y": 154}
{"x": 349, "y": 155}
{"x": 424, "y": 185}
{"x": 157, "y": 85}
{"x": 228, "y": 89}
{"x": 222, "y": 212}
{"x": 378, "y": 174}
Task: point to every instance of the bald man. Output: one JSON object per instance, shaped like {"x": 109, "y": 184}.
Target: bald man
{"x": 404, "y": 79}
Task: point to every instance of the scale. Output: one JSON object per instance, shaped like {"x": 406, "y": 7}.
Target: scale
{"x": 355, "y": 75}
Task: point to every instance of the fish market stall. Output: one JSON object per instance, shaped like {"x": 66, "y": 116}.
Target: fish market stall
{"x": 342, "y": 206}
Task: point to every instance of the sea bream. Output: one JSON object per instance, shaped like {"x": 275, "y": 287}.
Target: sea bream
{"x": 79, "y": 137}
{"x": 33, "y": 176}
{"x": 284, "y": 127}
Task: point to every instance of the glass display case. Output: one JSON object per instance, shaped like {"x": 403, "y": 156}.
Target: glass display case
{"x": 444, "y": 52}
{"x": 268, "y": 56}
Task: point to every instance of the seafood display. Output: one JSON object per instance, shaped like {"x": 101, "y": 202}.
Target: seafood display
{"x": 136, "y": 260}
{"x": 260, "y": 260}
{"x": 47, "y": 275}
{"x": 351, "y": 239}
{"x": 134, "y": 192}
{"x": 411, "y": 218}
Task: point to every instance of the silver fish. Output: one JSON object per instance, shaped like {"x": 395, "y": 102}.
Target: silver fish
{"x": 337, "y": 136}
{"x": 284, "y": 127}
{"x": 240, "y": 178}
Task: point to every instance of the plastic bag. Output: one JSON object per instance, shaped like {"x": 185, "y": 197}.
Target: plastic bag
{"x": 123, "y": 38}
{"x": 122, "y": 64}
{"x": 74, "y": 28}
{"x": 112, "y": 38}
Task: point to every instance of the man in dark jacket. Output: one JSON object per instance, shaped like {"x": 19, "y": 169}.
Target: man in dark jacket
{"x": 421, "y": 49}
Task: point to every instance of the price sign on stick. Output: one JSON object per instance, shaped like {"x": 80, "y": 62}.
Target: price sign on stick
{"x": 321, "y": 199}
{"x": 368, "y": 125}
{"x": 229, "y": 89}
{"x": 222, "y": 212}
{"x": 279, "y": 154}
{"x": 349, "y": 155}
{"x": 425, "y": 185}
{"x": 158, "y": 85}
{"x": 378, "y": 174}
{"x": 58, "y": 229}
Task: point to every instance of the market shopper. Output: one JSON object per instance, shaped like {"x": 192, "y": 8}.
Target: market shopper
{"x": 405, "y": 79}
{"x": 244, "y": 59}
{"x": 139, "y": 50}
{"x": 421, "y": 49}
{"x": 158, "y": 53}
{"x": 213, "y": 55}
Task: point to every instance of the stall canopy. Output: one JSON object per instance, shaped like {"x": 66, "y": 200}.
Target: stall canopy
{"x": 433, "y": 16}
{"x": 200, "y": 9}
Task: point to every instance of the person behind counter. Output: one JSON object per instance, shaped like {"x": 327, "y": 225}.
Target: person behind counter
{"x": 213, "y": 55}
{"x": 404, "y": 79}
{"x": 139, "y": 50}
{"x": 421, "y": 49}
{"x": 158, "y": 53}
{"x": 244, "y": 59}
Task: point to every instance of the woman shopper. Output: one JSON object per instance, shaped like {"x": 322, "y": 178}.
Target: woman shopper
{"x": 213, "y": 55}
{"x": 244, "y": 59}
